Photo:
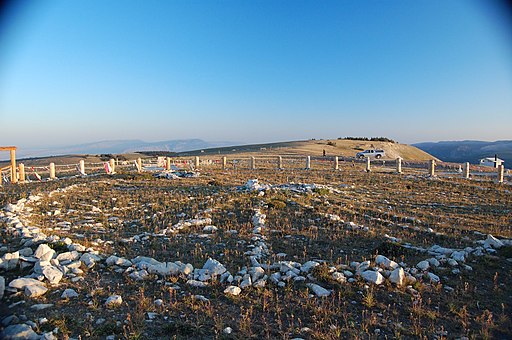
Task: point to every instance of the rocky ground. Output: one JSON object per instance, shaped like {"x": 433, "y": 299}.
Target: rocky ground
{"x": 291, "y": 254}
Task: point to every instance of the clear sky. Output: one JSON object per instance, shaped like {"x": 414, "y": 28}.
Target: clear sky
{"x": 254, "y": 71}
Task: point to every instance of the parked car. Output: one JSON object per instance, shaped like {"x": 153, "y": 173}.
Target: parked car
{"x": 371, "y": 153}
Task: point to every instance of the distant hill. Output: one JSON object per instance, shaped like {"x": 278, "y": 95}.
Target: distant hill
{"x": 469, "y": 150}
{"x": 119, "y": 147}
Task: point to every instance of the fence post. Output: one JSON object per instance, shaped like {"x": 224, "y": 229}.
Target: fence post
{"x": 224, "y": 162}
{"x": 139, "y": 165}
{"x": 22, "y": 172}
{"x": 82, "y": 167}
{"x": 14, "y": 177}
{"x": 308, "y": 162}
{"x": 252, "y": 163}
{"x": 432, "y": 167}
{"x": 501, "y": 172}
{"x": 336, "y": 163}
{"x": 279, "y": 162}
{"x": 168, "y": 163}
{"x": 112, "y": 165}
{"x": 465, "y": 171}
{"x": 196, "y": 162}
{"x": 52, "y": 170}
{"x": 399, "y": 165}
{"x": 368, "y": 164}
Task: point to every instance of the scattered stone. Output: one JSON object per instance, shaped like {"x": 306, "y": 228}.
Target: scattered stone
{"x": 339, "y": 277}
{"x": 228, "y": 330}
{"x": 232, "y": 290}
{"x": 397, "y": 276}
{"x": 385, "y": 262}
{"x": 214, "y": 266}
{"x": 69, "y": 293}
{"x": 118, "y": 261}
{"x": 306, "y": 267}
{"x": 318, "y": 290}
{"x": 35, "y": 290}
{"x": 373, "y": 277}
{"x": 493, "y": 242}
{"x": 44, "y": 252}
{"x": 198, "y": 284}
{"x": 114, "y": 301}
{"x": 423, "y": 265}
{"x": 41, "y": 306}
{"x": 52, "y": 274}
{"x": 458, "y": 256}
{"x": 19, "y": 331}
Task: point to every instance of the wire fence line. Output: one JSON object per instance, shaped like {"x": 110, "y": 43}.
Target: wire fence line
{"x": 25, "y": 173}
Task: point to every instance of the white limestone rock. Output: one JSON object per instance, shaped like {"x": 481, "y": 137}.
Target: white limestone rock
{"x": 423, "y": 265}
{"x": 319, "y": 290}
{"x": 69, "y": 293}
{"x": 19, "y": 331}
{"x": 493, "y": 242}
{"x": 35, "y": 290}
{"x": 89, "y": 260}
{"x": 459, "y": 256}
{"x": 118, "y": 261}
{"x": 139, "y": 275}
{"x": 306, "y": 267}
{"x": 44, "y": 252}
{"x": 373, "y": 277}
{"x": 164, "y": 269}
{"x": 197, "y": 284}
{"x": 257, "y": 273}
{"x": 381, "y": 260}
{"x": 68, "y": 256}
{"x": 339, "y": 277}
{"x": 233, "y": 290}
{"x": 114, "y": 301}
{"x": 187, "y": 269}
{"x": 397, "y": 276}
{"x": 433, "y": 278}
{"x": 52, "y": 274}
{"x": 21, "y": 283}
{"x": 214, "y": 266}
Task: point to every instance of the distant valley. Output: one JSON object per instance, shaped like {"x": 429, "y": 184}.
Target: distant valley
{"x": 468, "y": 151}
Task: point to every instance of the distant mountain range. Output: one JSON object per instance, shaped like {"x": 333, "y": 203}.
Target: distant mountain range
{"x": 469, "y": 150}
{"x": 119, "y": 146}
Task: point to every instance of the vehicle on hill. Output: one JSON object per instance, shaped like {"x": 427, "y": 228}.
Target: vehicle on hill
{"x": 371, "y": 153}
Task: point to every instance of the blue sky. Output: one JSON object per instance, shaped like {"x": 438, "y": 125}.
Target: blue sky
{"x": 254, "y": 71}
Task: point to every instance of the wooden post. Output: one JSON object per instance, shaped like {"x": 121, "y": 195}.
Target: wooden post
{"x": 52, "y": 170}
{"x": 465, "y": 171}
{"x": 432, "y": 167}
{"x": 501, "y": 172}
{"x": 336, "y": 163}
{"x": 279, "y": 162}
{"x": 139, "y": 165}
{"x": 253, "y": 163}
{"x": 168, "y": 163}
{"x": 14, "y": 178}
{"x": 368, "y": 164}
{"x": 112, "y": 165}
{"x": 399, "y": 165}
{"x": 196, "y": 163}
{"x": 224, "y": 162}
{"x": 308, "y": 162}
{"x": 21, "y": 167}
{"x": 82, "y": 167}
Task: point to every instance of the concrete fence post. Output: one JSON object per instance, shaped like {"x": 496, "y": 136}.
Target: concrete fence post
{"x": 501, "y": 173}
{"x": 196, "y": 162}
{"x": 465, "y": 171}
{"x": 336, "y": 163}
{"x": 399, "y": 165}
{"x": 112, "y": 165}
{"x": 82, "y": 167}
{"x": 21, "y": 167}
{"x": 432, "y": 167}
{"x": 368, "y": 164}
{"x": 14, "y": 177}
{"x": 252, "y": 163}
{"x": 139, "y": 164}
{"x": 308, "y": 162}
{"x": 224, "y": 162}
{"x": 279, "y": 162}
{"x": 52, "y": 170}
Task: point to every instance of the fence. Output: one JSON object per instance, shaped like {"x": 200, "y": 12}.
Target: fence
{"x": 399, "y": 166}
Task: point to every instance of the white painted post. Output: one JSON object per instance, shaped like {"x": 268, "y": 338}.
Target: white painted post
{"x": 253, "y": 163}
{"x": 399, "y": 165}
{"x": 336, "y": 163}
{"x": 279, "y": 162}
{"x": 112, "y": 165}
{"x": 308, "y": 162}
{"x": 21, "y": 167}
{"x": 196, "y": 162}
{"x": 501, "y": 172}
{"x": 82, "y": 167}
{"x": 168, "y": 163}
{"x": 224, "y": 162}
{"x": 368, "y": 164}
{"x": 139, "y": 165}
{"x": 432, "y": 167}
{"x": 465, "y": 171}
{"x": 52, "y": 170}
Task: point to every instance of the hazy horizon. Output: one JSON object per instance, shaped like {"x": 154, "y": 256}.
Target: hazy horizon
{"x": 254, "y": 72}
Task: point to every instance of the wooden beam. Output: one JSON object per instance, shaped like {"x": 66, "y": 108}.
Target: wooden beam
{"x": 7, "y": 148}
